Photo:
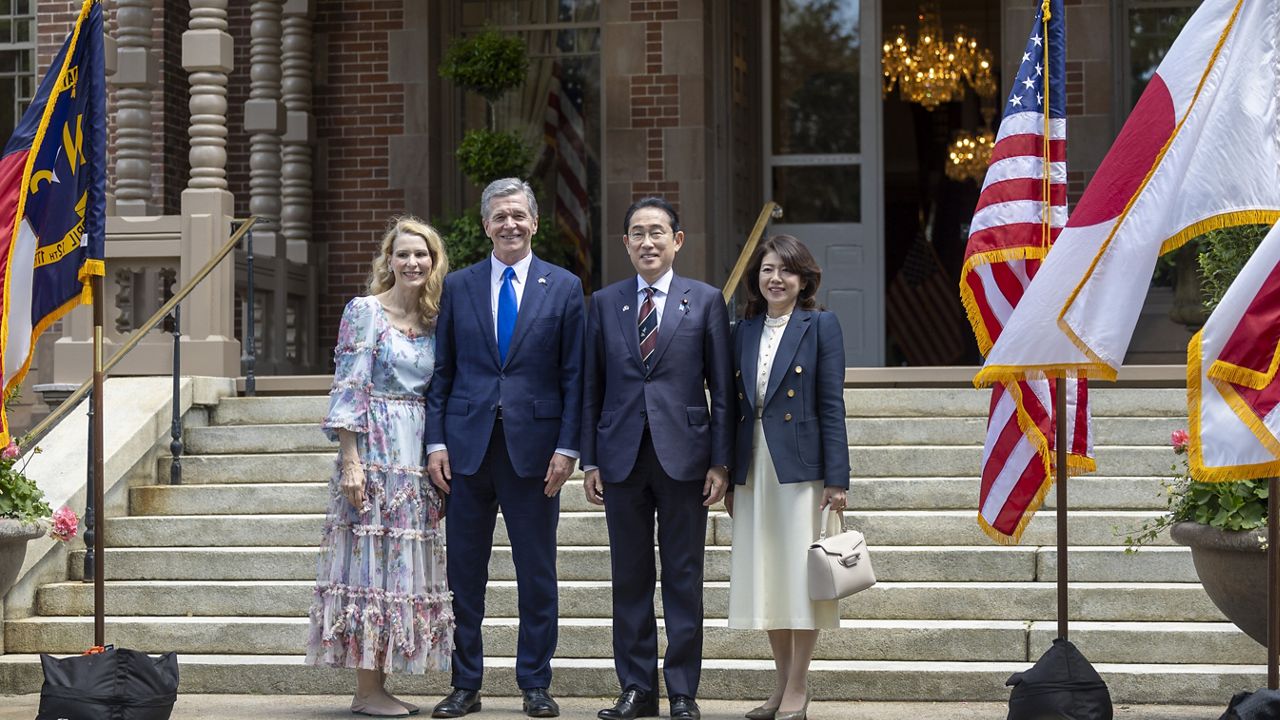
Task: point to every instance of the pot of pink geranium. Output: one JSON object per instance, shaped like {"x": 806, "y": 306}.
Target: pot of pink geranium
{"x": 1224, "y": 524}
{"x": 24, "y": 514}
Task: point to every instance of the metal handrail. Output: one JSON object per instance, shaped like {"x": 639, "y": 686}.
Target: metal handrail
{"x": 139, "y": 333}
{"x": 771, "y": 209}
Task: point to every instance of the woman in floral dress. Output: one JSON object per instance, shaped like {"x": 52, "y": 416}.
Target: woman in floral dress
{"x": 381, "y": 603}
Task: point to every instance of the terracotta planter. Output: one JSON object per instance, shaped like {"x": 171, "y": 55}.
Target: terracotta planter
{"x": 1233, "y": 570}
{"x": 13, "y": 548}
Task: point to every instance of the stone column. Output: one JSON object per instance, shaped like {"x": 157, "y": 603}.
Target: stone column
{"x": 295, "y": 214}
{"x": 135, "y": 78}
{"x": 207, "y": 206}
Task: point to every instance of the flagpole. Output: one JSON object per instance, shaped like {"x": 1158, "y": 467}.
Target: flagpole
{"x": 99, "y": 605}
{"x": 1273, "y": 577}
{"x": 1060, "y": 412}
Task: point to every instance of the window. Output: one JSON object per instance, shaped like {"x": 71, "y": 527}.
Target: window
{"x": 557, "y": 111}
{"x": 1149, "y": 29}
{"x": 17, "y": 61}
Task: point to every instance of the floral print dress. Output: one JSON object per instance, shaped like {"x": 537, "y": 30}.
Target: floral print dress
{"x": 381, "y": 600}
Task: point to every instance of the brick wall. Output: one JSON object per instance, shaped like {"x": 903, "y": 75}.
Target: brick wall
{"x": 357, "y": 110}
{"x": 175, "y": 116}
{"x": 655, "y": 101}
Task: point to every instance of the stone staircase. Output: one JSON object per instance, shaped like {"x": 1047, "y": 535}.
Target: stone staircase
{"x": 220, "y": 569}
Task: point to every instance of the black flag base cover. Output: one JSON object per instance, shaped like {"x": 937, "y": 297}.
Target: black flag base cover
{"x": 1260, "y": 705}
{"x": 1062, "y": 685}
{"x": 114, "y": 684}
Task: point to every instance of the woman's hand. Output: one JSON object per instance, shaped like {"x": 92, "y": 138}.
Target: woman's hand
{"x": 834, "y": 498}
{"x": 352, "y": 482}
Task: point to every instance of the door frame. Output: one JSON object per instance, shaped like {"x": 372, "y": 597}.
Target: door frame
{"x": 871, "y": 142}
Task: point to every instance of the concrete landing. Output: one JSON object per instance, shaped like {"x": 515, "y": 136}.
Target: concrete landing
{"x": 322, "y": 707}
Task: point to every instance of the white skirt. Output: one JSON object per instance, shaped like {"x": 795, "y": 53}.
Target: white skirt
{"x": 773, "y": 526}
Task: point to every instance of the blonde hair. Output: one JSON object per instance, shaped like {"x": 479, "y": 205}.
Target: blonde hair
{"x": 382, "y": 279}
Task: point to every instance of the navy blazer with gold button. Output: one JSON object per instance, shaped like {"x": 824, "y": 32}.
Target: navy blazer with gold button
{"x": 803, "y": 408}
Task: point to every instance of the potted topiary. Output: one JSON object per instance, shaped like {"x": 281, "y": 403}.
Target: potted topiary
{"x": 24, "y": 514}
{"x": 1224, "y": 523}
{"x": 491, "y": 64}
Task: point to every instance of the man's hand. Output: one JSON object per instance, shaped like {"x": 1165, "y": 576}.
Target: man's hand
{"x": 558, "y": 471}
{"x": 438, "y": 470}
{"x": 352, "y": 483}
{"x": 728, "y": 503}
{"x": 715, "y": 486}
{"x": 594, "y": 487}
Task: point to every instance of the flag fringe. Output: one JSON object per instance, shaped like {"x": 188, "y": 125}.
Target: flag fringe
{"x": 1221, "y": 221}
{"x": 980, "y": 330}
{"x": 996, "y": 374}
{"x": 1028, "y": 513}
{"x": 1248, "y": 377}
{"x": 1195, "y": 454}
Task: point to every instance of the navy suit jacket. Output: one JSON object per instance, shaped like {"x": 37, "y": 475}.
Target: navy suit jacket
{"x": 692, "y": 357}
{"x": 803, "y": 408}
{"x": 540, "y": 386}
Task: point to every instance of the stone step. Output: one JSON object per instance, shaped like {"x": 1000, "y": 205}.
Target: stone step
{"x": 248, "y": 469}
{"x": 270, "y": 410}
{"x": 990, "y": 563}
{"x": 916, "y": 640}
{"x": 958, "y": 461}
{"x": 1104, "y": 401}
{"x": 289, "y": 438}
{"x": 310, "y": 495}
{"x": 882, "y": 527}
{"x": 578, "y": 638}
{"x": 739, "y": 680}
{"x": 1021, "y": 601}
{"x": 972, "y": 430}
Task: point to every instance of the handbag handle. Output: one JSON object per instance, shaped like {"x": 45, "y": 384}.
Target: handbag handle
{"x": 826, "y": 513}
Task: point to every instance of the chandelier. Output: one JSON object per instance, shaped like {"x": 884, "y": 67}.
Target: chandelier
{"x": 932, "y": 70}
{"x": 969, "y": 156}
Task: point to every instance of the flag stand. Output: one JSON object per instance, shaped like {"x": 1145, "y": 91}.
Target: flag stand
{"x": 1273, "y": 576}
{"x": 1060, "y": 413}
{"x": 96, "y": 471}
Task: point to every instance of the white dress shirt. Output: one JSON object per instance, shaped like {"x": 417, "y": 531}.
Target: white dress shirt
{"x": 661, "y": 287}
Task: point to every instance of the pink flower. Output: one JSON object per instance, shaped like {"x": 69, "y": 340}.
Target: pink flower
{"x": 1179, "y": 439}
{"x": 11, "y": 452}
{"x": 65, "y": 524}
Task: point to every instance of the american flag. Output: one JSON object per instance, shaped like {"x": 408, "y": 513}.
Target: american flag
{"x": 1008, "y": 238}
{"x": 565, "y": 135}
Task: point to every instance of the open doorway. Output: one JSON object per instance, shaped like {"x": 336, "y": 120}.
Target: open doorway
{"x": 927, "y": 208}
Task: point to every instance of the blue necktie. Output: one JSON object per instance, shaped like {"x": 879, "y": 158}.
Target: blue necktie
{"x": 506, "y": 313}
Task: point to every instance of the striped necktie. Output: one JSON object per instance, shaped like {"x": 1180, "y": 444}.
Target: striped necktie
{"x": 648, "y": 320}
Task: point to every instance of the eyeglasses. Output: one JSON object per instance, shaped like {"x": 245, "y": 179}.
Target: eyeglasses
{"x": 656, "y": 235}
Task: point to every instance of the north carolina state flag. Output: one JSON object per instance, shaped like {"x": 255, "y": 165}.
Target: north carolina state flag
{"x": 53, "y": 192}
{"x": 1198, "y": 152}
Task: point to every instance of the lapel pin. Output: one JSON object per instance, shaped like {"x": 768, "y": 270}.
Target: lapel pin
{"x": 626, "y": 308}
{"x": 684, "y": 304}
{"x": 542, "y": 281}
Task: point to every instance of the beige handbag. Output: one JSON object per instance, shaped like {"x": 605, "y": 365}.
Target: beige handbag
{"x": 840, "y": 565}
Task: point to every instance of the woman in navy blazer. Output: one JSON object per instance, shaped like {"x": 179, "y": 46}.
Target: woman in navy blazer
{"x": 792, "y": 460}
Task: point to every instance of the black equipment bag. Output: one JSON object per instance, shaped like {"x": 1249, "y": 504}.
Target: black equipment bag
{"x": 1260, "y": 705}
{"x": 1062, "y": 685}
{"x": 110, "y": 685}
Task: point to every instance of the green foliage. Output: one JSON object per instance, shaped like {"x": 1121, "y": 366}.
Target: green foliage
{"x": 486, "y": 155}
{"x": 1227, "y": 506}
{"x": 19, "y": 497}
{"x": 466, "y": 243}
{"x": 1223, "y": 254}
{"x": 488, "y": 64}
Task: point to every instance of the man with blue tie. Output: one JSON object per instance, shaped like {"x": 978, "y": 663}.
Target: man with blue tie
{"x": 502, "y": 432}
{"x": 651, "y": 446}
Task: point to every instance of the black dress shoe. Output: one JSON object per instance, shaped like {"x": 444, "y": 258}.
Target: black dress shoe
{"x": 459, "y": 702}
{"x": 632, "y": 703}
{"x": 538, "y": 703}
{"x": 684, "y": 707}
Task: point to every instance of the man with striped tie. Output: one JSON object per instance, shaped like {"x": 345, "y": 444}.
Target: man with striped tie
{"x": 651, "y": 447}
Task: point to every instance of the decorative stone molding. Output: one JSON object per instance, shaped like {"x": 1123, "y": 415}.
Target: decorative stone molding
{"x": 296, "y": 189}
{"x": 206, "y": 54}
{"x": 264, "y": 111}
{"x": 135, "y": 78}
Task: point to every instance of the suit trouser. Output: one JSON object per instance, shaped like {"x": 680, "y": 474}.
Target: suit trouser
{"x": 531, "y": 518}
{"x": 630, "y": 507}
